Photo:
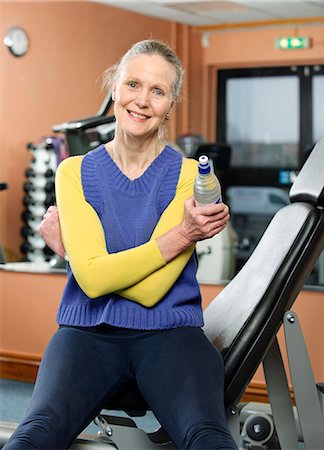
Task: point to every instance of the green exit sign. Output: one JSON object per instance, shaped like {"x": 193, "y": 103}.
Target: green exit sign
{"x": 287, "y": 43}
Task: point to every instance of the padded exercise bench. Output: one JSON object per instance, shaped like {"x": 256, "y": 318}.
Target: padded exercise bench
{"x": 243, "y": 321}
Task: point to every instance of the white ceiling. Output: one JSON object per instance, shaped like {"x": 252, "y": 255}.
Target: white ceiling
{"x": 219, "y": 12}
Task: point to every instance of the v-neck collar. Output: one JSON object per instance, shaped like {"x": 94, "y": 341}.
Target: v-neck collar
{"x": 125, "y": 184}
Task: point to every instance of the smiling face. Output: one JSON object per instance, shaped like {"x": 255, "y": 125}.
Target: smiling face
{"x": 143, "y": 95}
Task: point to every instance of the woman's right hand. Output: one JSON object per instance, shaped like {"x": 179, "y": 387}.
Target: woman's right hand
{"x": 202, "y": 222}
{"x": 50, "y": 231}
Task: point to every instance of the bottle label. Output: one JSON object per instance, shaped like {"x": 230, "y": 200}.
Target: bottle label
{"x": 219, "y": 200}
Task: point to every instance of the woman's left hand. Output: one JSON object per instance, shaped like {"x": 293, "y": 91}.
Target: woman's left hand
{"x": 202, "y": 222}
{"x": 198, "y": 223}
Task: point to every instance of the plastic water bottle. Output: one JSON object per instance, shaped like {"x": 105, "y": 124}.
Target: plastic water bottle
{"x": 207, "y": 189}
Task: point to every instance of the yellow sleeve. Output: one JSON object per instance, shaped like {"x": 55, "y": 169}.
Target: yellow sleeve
{"x": 96, "y": 271}
{"x": 151, "y": 289}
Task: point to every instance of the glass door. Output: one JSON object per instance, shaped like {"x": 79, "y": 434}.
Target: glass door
{"x": 262, "y": 121}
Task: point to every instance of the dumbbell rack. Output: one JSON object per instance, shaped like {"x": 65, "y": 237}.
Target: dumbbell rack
{"x": 39, "y": 190}
{"x": 76, "y": 137}
{"x": 3, "y": 186}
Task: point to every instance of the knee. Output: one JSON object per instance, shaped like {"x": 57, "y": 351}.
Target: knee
{"x": 208, "y": 435}
{"x": 38, "y": 432}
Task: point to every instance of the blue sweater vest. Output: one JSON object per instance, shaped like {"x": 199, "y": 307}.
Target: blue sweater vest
{"x": 129, "y": 211}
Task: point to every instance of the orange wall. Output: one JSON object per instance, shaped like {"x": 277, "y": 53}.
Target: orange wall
{"x": 28, "y": 307}
{"x": 71, "y": 43}
{"x": 256, "y": 47}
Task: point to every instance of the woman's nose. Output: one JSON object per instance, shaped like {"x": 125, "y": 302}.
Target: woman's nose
{"x": 142, "y": 98}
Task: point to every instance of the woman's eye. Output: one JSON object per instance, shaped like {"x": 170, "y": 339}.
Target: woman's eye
{"x": 158, "y": 91}
{"x": 132, "y": 84}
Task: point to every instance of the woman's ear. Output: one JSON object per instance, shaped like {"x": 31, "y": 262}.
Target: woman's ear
{"x": 167, "y": 116}
{"x": 113, "y": 93}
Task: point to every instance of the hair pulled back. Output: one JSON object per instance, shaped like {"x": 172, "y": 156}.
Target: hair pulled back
{"x": 148, "y": 47}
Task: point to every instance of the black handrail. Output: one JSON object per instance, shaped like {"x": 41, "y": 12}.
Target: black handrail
{"x": 83, "y": 134}
{"x": 88, "y": 122}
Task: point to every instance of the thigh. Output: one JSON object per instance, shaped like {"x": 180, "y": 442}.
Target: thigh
{"x": 181, "y": 376}
{"x": 81, "y": 365}
{"x": 78, "y": 371}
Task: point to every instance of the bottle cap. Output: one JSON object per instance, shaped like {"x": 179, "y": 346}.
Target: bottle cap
{"x": 203, "y": 165}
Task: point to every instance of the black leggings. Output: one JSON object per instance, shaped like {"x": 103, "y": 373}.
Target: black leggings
{"x": 178, "y": 371}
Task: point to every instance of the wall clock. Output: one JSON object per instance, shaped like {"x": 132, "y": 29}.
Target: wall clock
{"x": 17, "y": 41}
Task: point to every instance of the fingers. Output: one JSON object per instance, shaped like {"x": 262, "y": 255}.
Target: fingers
{"x": 207, "y": 210}
{"x": 50, "y": 230}
{"x": 190, "y": 203}
{"x": 213, "y": 213}
{"x": 49, "y": 221}
{"x": 203, "y": 222}
{"x": 52, "y": 208}
{"x": 212, "y": 209}
{"x": 215, "y": 228}
{"x": 51, "y": 211}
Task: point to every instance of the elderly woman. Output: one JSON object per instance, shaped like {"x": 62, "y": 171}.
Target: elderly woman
{"x": 131, "y": 308}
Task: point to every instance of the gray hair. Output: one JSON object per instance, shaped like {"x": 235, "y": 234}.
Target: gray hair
{"x": 148, "y": 47}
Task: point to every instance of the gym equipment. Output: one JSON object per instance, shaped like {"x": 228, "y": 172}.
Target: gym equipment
{"x": 216, "y": 257}
{"x": 3, "y": 186}
{"x": 258, "y": 429}
{"x": 252, "y": 209}
{"x": 243, "y": 322}
{"x": 87, "y": 133}
{"x": 46, "y": 154}
{"x": 80, "y": 136}
{"x": 189, "y": 143}
{"x": 220, "y": 154}
{"x": 244, "y": 319}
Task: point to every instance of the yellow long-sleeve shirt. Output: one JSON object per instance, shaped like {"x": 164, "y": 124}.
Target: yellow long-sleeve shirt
{"x": 140, "y": 274}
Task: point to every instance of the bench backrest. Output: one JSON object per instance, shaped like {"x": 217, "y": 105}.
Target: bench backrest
{"x": 243, "y": 320}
